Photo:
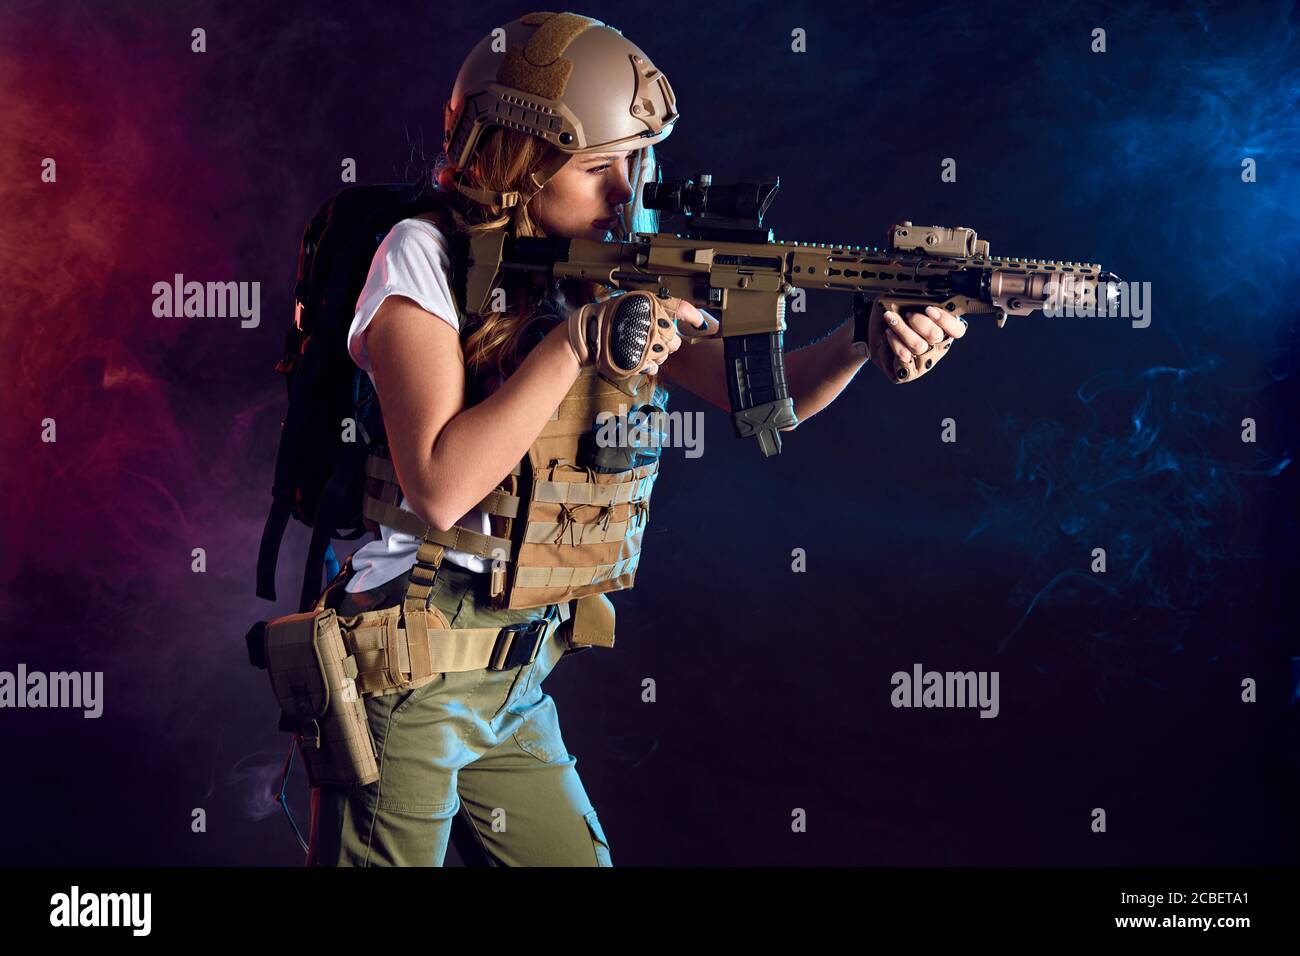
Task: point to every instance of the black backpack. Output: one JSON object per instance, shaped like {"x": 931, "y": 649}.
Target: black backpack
{"x": 319, "y": 477}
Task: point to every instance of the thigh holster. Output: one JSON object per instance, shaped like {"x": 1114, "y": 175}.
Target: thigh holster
{"x": 322, "y": 665}
{"x": 314, "y": 679}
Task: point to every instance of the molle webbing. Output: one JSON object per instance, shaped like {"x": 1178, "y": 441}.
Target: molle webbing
{"x": 583, "y": 530}
{"x": 381, "y": 505}
{"x": 569, "y": 533}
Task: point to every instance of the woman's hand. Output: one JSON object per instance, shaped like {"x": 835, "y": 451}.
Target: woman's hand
{"x": 922, "y": 332}
{"x": 633, "y": 333}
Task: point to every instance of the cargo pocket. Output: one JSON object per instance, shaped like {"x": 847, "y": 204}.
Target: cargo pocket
{"x": 598, "y": 842}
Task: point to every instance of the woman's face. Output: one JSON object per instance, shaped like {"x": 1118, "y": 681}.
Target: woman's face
{"x": 585, "y": 198}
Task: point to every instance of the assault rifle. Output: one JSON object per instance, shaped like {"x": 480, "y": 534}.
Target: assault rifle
{"x": 726, "y": 262}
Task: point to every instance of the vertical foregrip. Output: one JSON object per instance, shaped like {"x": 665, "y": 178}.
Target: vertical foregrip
{"x": 760, "y": 398}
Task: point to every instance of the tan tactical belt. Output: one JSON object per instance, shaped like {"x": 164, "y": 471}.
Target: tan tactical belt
{"x": 384, "y": 658}
{"x": 406, "y": 645}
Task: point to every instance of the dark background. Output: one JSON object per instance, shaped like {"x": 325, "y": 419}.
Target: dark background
{"x": 1119, "y": 691}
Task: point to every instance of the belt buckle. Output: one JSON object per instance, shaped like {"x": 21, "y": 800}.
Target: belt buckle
{"x": 517, "y": 644}
{"x": 430, "y": 569}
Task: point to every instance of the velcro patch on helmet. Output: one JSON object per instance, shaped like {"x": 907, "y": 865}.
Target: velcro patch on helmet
{"x": 541, "y": 67}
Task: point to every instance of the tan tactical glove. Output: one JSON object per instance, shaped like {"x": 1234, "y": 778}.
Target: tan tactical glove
{"x": 625, "y": 333}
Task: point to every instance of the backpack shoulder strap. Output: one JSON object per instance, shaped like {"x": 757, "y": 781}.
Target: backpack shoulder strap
{"x": 457, "y": 246}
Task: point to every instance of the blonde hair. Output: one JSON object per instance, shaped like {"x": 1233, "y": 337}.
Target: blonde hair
{"x": 499, "y": 341}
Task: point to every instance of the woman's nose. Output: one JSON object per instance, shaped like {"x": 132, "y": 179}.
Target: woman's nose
{"x": 621, "y": 191}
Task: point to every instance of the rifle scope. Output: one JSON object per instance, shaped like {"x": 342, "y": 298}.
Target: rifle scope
{"x": 699, "y": 197}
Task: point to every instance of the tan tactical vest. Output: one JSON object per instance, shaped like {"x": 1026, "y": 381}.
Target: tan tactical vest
{"x": 561, "y": 531}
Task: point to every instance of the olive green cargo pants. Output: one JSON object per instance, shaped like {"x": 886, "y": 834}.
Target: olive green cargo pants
{"x": 480, "y": 749}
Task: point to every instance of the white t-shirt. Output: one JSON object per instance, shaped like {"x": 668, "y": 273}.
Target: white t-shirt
{"x": 411, "y": 261}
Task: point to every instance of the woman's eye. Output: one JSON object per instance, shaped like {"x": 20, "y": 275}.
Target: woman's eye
{"x": 598, "y": 169}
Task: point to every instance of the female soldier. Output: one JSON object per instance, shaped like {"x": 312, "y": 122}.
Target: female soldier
{"x": 489, "y": 420}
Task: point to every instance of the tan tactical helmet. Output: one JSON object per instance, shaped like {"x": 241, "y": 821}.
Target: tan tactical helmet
{"x": 572, "y": 81}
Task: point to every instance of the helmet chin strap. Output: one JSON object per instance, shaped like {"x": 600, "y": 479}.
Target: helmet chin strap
{"x": 520, "y": 197}
{"x": 484, "y": 197}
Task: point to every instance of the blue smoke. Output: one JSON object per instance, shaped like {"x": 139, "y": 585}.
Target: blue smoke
{"x": 1153, "y": 467}
{"x": 1139, "y": 476}
{"x": 1156, "y": 130}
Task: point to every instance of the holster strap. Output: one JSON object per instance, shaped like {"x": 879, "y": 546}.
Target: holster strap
{"x": 390, "y": 658}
